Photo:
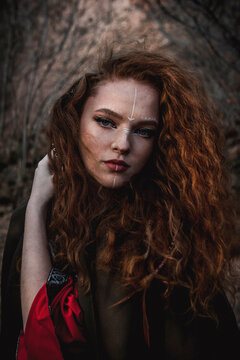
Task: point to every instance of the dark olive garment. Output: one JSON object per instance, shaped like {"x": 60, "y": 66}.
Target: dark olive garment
{"x": 116, "y": 333}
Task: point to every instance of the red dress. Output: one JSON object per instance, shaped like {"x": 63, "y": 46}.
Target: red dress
{"x": 48, "y": 326}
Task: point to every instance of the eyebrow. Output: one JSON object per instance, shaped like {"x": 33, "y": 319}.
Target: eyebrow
{"x": 111, "y": 112}
{"x": 118, "y": 116}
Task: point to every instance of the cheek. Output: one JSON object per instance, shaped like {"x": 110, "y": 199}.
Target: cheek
{"x": 89, "y": 143}
{"x": 93, "y": 146}
{"x": 144, "y": 151}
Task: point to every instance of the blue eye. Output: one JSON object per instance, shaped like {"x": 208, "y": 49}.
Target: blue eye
{"x": 104, "y": 122}
{"x": 148, "y": 133}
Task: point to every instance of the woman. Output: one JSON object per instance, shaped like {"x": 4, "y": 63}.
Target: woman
{"x": 138, "y": 244}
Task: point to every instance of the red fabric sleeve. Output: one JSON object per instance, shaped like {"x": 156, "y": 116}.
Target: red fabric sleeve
{"x": 67, "y": 315}
{"x": 43, "y": 331}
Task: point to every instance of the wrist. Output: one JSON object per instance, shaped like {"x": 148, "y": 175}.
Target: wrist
{"x": 37, "y": 205}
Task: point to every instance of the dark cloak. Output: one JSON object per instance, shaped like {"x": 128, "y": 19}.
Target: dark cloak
{"x": 117, "y": 333}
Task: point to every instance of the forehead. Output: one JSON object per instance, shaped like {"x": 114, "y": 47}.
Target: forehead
{"x": 120, "y": 95}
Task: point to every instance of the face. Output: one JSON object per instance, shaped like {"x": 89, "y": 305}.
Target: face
{"x": 117, "y": 131}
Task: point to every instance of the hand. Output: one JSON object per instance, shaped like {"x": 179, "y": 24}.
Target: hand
{"x": 42, "y": 188}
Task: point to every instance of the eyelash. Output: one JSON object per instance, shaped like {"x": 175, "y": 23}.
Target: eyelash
{"x": 148, "y": 132}
{"x": 100, "y": 121}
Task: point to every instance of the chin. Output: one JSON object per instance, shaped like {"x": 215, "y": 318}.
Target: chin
{"x": 114, "y": 185}
{"x": 113, "y": 182}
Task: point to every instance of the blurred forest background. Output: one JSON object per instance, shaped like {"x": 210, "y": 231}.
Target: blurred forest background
{"x": 45, "y": 43}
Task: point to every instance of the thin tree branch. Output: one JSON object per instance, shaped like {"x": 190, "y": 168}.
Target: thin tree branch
{"x": 4, "y": 80}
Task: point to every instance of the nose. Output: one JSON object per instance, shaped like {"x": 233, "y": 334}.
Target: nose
{"x": 121, "y": 142}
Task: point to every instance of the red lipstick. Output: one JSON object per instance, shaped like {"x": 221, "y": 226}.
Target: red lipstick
{"x": 117, "y": 165}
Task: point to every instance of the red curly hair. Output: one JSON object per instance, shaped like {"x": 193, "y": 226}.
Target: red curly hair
{"x": 175, "y": 221}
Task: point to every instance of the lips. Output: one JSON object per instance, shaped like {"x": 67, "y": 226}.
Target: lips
{"x": 117, "y": 165}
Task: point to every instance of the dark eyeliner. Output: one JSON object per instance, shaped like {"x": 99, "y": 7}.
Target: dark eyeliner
{"x": 101, "y": 119}
{"x": 149, "y": 132}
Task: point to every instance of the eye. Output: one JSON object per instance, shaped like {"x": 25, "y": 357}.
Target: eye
{"x": 104, "y": 122}
{"x": 145, "y": 132}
